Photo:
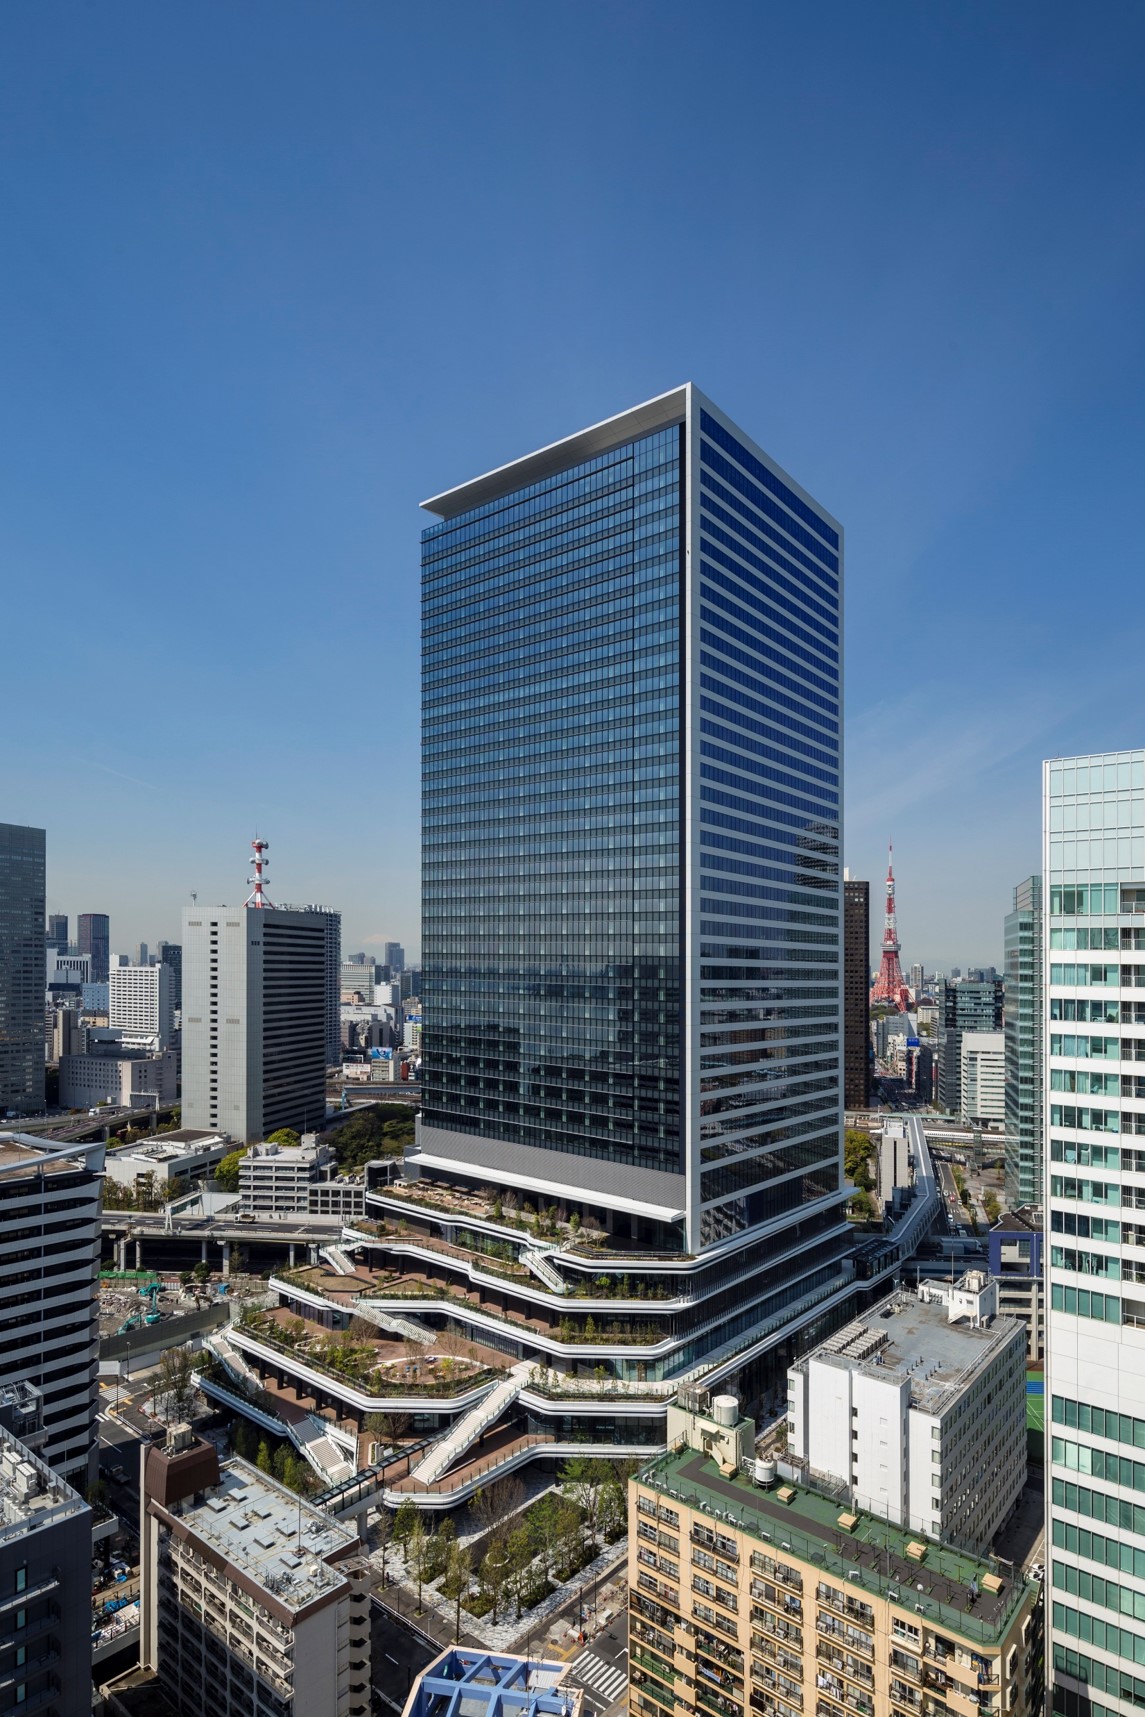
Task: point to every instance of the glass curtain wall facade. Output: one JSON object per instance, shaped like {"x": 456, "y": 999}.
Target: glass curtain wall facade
{"x": 551, "y": 811}
{"x": 23, "y": 969}
{"x": 1094, "y": 958}
{"x": 1023, "y": 1010}
{"x": 632, "y": 995}
{"x": 857, "y": 993}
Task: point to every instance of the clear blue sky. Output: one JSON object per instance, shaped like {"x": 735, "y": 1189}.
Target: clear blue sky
{"x": 273, "y": 272}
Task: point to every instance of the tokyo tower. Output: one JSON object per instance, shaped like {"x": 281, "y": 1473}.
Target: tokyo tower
{"x": 889, "y": 987}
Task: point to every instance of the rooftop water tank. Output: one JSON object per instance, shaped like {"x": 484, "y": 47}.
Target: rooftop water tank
{"x": 725, "y": 1410}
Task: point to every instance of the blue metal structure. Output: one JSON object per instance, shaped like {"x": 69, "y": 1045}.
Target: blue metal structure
{"x": 473, "y": 1683}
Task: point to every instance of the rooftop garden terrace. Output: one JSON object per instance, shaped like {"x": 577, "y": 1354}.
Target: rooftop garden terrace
{"x": 542, "y": 1225}
{"x": 367, "y": 1360}
{"x": 948, "y": 1588}
{"x": 502, "y": 1258}
{"x": 486, "y": 1204}
{"x": 414, "y": 1284}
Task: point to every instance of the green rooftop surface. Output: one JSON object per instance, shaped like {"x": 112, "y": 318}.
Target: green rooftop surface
{"x": 872, "y": 1558}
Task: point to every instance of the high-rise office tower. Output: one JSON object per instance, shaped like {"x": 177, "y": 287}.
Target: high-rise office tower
{"x": 1094, "y": 964}
{"x": 962, "y": 1006}
{"x": 49, "y": 1272}
{"x": 1024, "y": 1008}
{"x": 57, "y": 936}
{"x": 332, "y": 925}
{"x": 94, "y": 932}
{"x": 917, "y": 979}
{"x": 632, "y": 983}
{"x": 171, "y": 955}
{"x": 23, "y": 969}
{"x": 255, "y": 1012}
{"x": 139, "y": 1002}
{"x": 856, "y": 992}
{"x": 632, "y": 959}
{"x": 394, "y": 956}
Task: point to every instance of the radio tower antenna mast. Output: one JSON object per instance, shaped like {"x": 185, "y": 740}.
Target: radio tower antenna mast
{"x": 257, "y": 898}
{"x": 890, "y": 987}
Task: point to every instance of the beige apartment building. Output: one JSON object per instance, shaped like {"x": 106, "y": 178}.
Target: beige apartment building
{"x": 750, "y": 1594}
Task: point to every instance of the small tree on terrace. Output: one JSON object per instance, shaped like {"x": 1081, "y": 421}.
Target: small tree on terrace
{"x": 494, "y": 1505}
{"x": 494, "y": 1573}
{"x": 520, "y": 1553}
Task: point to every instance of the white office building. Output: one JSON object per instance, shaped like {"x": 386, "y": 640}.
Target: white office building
{"x": 275, "y": 1180}
{"x": 983, "y": 1075}
{"x": 139, "y": 1002}
{"x": 332, "y": 925}
{"x": 255, "y": 1001}
{"x": 123, "y": 1078}
{"x": 919, "y": 1408}
{"x": 1094, "y": 1178}
{"x": 183, "y": 1155}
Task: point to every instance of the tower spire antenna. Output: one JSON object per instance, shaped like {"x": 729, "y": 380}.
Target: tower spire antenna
{"x": 890, "y": 987}
{"x": 257, "y": 898}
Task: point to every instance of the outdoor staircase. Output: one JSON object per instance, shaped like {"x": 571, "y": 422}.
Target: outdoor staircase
{"x": 337, "y": 1260}
{"x": 308, "y": 1433}
{"x": 232, "y": 1360}
{"x": 311, "y": 1438}
{"x": 469, "y": 1427}
{"x": 544, "y": 1271}
{"x": 394, "y": 1322}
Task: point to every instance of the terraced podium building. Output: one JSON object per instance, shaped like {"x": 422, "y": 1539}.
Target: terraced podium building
{"x": 628, "y": 1162}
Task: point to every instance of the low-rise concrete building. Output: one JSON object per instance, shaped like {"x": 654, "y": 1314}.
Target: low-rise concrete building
{"x": 480, "y": 1683}
{"x": 275, "y": 1180}
{"x": 187, "y": 1154}
{"x": 918, "y": 1408}
{"x": 127, "y": 1078}
{"x": 1015, "y": 1259}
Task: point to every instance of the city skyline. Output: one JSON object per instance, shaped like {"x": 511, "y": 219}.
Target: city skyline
{"x": 238, "y": 352}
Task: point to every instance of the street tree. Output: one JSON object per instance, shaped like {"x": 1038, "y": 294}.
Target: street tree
{"x": 176, "y": 1382}
{"x": 459, "y": 1562}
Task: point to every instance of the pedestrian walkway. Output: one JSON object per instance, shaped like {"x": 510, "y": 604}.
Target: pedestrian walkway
{"x": 603, "y": 1678}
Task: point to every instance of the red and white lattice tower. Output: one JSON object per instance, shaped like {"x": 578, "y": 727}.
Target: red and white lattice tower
{"x": 257, "y": 898}
{"x": 890, "y": 987}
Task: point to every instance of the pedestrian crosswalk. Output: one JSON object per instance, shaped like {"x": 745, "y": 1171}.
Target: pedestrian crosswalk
{"x": 606, "y": 1679}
